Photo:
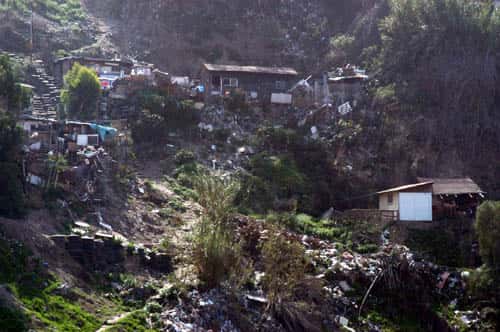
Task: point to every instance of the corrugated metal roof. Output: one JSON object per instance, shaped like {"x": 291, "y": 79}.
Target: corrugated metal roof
{"x": 90, "y": 59}
{"x": 453, "y": 186}
{"x": 348, "y": 78}
{"x": 406, "y": 187}
{"x": 252, "y": 69}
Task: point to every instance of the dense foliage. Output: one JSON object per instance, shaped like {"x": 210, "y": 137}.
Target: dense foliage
{"x": 81, "y": 92}
{"x": 11, "y": 195}
{"x": 284, "y": 267}
{"x": 293, "y": 173}
{"x": 433, "y": 92}
{"x": 485, "y": 282}
{"x": 63, "y": 11}
{"x": 488, "y": 232}
{"x": 160, "y": 115}
{"x": 216, "y": 252}
{"x": 9, "y": 89}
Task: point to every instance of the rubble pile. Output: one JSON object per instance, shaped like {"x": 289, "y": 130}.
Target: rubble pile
{"x": 103, "y": 252}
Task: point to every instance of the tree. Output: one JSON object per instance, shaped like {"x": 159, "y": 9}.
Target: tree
{"x": 81, "y": 92}
{"x": 11, "y": 193}
{"x": 56, "y": 164}
{"x": 341, "y": 48}
{"x": 488, "y": 233}
{"x": 8, "y": 87}
{"x": 161, "y": 114}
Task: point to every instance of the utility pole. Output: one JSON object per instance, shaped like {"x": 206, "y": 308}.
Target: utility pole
{"x": 31, "y": 33}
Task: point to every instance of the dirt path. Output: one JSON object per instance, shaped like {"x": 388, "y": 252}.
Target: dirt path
{"x": 181, "y": 235}
{"x": 113, "y": 321}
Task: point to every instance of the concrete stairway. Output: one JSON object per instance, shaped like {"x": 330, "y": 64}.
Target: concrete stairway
{"x": 46, "y": 94}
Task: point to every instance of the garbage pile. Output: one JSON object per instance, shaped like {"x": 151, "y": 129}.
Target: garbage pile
{"x": 212, "y": 311}
{"x": 346, "y": 278}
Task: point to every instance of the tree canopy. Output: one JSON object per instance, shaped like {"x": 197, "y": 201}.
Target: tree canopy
{"x": 488, "y": 232}
{"x": 8, "y": 87}
{"x": 81, "y": 92}
{"x": 11, "y": 193}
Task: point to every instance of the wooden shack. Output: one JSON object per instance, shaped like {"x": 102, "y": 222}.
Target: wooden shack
{"x": 257, "y": 82}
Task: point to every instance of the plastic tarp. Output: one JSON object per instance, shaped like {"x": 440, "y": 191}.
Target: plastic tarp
{"x": 105, "y": 133}
{"x": 281, "y": 98}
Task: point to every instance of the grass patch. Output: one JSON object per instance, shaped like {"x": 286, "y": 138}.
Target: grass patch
{"x": 358, "y": 236}
{"x": 400, "y": 323}
{"x": 29, "y": 283}
{"x": 184, "y": 192}
{"x": 437, "y": 245}
{"x": 61, "y": 11}
{"x": 134, "y": 322}
{"x": 12, "y": 320}
{"x": 53, "y": 310}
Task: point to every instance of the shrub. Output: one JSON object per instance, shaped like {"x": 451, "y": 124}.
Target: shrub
{"x": 236, "y": 103}
{"x": 81, "y": 91}
{"x": 153, "y": 307}
{"x": 284, "y": 267}
{"x": 12, "y": 320}
{"x": 159, "y": 115}
{"x": 12, "y": 203}
{"x": 488, "y": 233}
{"x": 216, "y": 251}
{"x": 183, "y": 157}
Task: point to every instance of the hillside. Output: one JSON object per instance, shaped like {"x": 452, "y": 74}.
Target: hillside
{"x": 366, "y": 199}
{"x": 178, "y": 36}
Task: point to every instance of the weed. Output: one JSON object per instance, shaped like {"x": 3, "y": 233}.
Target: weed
{"x": 215, "y": 248}
{"x": 284, "y": 267}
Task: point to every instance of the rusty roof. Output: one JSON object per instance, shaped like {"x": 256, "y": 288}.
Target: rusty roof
{"x": 405, "y": 187}
{"x": 252, "y": 69}
{"x": 455, "y": 186}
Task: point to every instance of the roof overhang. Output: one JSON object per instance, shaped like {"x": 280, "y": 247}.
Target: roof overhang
{"x": 251, "y": 69}
{"x": 406, "y": 187}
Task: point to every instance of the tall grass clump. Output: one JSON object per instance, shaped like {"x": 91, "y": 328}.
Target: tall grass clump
{"x": 216, "y": 249}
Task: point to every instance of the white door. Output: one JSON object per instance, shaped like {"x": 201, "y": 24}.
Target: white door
{"x": 415, "y": 206}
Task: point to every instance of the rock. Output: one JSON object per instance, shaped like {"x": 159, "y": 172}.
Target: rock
{"x": 160, "y": 262}
{"x": 345, "y": 286}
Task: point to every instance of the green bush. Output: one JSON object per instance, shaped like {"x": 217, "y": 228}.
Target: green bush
{"x": 12, "y": 202}
{"x": 8, "y": 85}
{"x": 216, "y": 252}
{"x": 481, "y": 283}
{"x": 81, "y": 92}
{"x": 306, "y": 224}
{"x": 488, "y": 233}
{"x": 159, "y": 115}
{"x": 183, "y": 157}
{"x": 236, "y": 103}
{"x": 284, "y": 267}
{"x": 12, "y": 320}
{"x": 153, "y": 307}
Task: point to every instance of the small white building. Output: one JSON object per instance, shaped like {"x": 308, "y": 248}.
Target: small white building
{"x": 432, "y": 199}
{"x": 411, "y": 202}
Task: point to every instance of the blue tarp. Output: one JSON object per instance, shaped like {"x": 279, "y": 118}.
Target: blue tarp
{"x": 105, "y": 133}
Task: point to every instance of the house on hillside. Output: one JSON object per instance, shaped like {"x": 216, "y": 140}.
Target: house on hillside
{"x": 432, "y": 199}
{"x": 269, "y": 84}
{"x": 108, "y": 70}
{"x": 339, "y": 86}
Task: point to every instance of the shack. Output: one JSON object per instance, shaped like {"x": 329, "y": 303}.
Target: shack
{"x": 454, "y": 197}
{"x": 262, "y": 83}
{"x": 432, "y": 199}
{"x": 339, "y": 86}
{"x": 108, "y": 70}
{"x": 411, "y": 202}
